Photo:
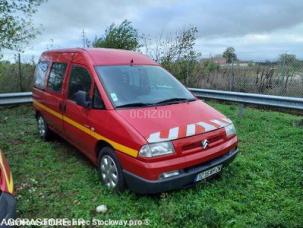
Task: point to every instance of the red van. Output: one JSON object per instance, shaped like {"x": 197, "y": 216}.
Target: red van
{"x": 138, "y": 124}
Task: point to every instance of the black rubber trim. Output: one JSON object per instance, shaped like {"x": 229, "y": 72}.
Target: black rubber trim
{"x": 185, "y": 179}
{"x": 7, "y": 206}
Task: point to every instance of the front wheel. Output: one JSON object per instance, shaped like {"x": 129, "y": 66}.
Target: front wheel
{"x": 110, "y": 170}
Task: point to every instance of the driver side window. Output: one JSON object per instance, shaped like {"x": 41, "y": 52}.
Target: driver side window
{"x": 80, "y": 80}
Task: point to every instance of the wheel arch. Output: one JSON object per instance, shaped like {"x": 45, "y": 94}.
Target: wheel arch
{"x": 100, "y": 145}
{"x": 37, "y": 113}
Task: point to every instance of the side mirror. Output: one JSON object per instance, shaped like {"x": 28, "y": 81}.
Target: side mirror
{"x": 82, "y": 99}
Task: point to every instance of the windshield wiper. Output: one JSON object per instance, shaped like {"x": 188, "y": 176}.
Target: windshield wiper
{"x": 167, "y": 101}
{"x": 138, "y": 104}
{"x": 175, "y": 100}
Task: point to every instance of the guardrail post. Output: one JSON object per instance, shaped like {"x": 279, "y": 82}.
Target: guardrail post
{"x": 241, "y": 111}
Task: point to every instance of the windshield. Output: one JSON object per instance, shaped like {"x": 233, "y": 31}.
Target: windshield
{"x": 133, "y": 86}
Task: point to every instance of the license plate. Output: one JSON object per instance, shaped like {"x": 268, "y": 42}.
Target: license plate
{"x": 208, "y": 173}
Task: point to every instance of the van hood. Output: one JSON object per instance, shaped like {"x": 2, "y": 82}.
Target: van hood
{"x": 170, "y": 122}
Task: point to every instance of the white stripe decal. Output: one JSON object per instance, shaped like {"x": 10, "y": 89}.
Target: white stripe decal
{"x": 191, "y": 129}
{"x": 173, "y": 133}
{"x": 206, "y": 126}
{"x": 226, "y": 120}
{"x": 220, "y": 123}
{"x": 155, "y": 137}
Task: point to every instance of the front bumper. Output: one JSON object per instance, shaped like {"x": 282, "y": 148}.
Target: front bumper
{"x": 185, "y": 179}
{"x": 7, "y": 206}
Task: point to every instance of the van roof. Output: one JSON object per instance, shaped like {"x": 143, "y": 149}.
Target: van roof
{"x": 108, "y": 56}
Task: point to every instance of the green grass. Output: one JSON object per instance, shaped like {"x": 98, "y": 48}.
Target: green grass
{"x": 262, "y": 187}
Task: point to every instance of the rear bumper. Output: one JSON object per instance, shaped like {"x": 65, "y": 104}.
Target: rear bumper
{"x": 185, "y": 179}
{"x": 7, "y": 206}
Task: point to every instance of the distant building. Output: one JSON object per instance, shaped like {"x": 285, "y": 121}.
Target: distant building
{"x": 216, "y": 59}
{"x": 219, "y": 60}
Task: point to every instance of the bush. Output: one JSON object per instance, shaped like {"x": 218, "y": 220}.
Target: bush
{"x": 10, "y": 80}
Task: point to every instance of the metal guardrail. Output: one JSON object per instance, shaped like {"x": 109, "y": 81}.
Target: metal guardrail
{"x": 15, "y": 98}
{"x": 246, "y": 98}
{"x": 295, "y": 103}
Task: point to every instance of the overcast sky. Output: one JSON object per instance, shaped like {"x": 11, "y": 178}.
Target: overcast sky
{"x": 257, "y": 29}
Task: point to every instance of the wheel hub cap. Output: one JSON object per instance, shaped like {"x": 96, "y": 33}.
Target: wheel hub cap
{"x": 41, "y": 126}
{"x": 109, "y": 172}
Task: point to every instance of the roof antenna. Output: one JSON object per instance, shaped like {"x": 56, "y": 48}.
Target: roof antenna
{"x": 132, "y": 62}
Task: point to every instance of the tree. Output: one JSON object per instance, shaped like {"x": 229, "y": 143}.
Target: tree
{"x": 210, "y": 66}
{"x": 123, "y": 36}
{"x": 287, "y": 59}
{"x": 181, "y": 47}
{"x": 230, "y": 55}
{"x": 16, "y": 22}
{"x": 178, "y": 56}
{"x": 289, "y": 65}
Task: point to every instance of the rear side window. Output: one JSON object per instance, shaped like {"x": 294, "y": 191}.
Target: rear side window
{"x": 40, "y": 74}
{"x": 56, "y": 76}
{"x": 79, "y": 80}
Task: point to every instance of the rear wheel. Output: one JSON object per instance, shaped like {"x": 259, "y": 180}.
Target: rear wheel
{"x": 43, "y": 129}
{"x": 110, "y": 170}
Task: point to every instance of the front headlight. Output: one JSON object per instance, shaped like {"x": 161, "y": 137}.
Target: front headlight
{"x": 156, "y": 149}
{"x": 230, "y": 130}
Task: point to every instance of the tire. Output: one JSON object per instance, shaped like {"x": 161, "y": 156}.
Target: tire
{"x": 43, "y": 130}
{"x": 110, "y": 171}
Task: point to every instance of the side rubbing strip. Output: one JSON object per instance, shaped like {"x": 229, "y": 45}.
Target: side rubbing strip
{"x": 54, "y": 113}
{"x": 117, "y": 146}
